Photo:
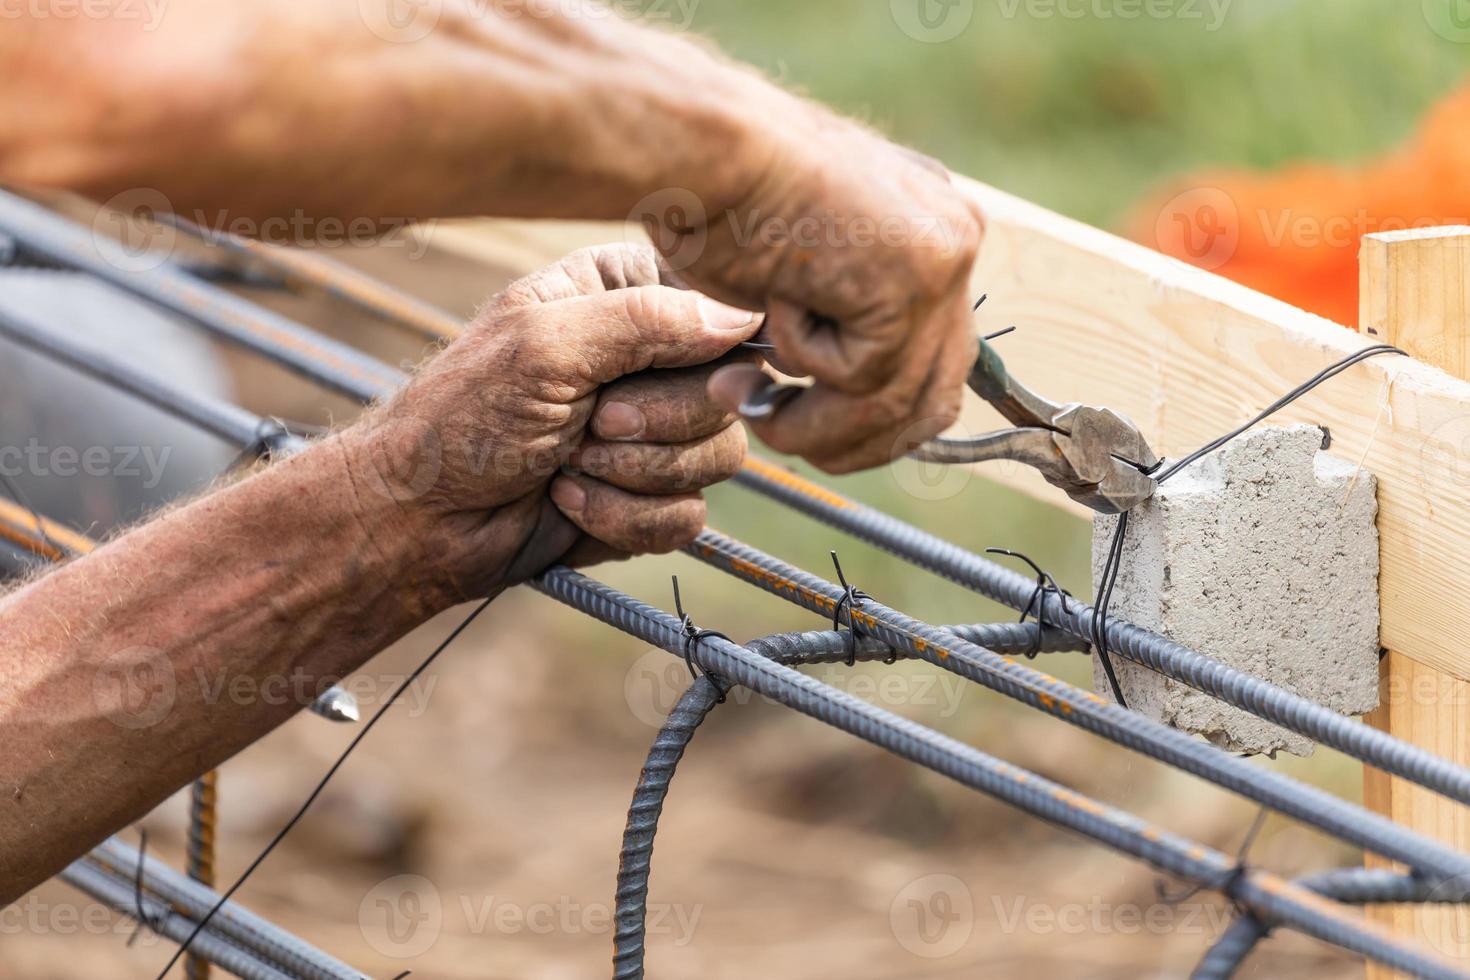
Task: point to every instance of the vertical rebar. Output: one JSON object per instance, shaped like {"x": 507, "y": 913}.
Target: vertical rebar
{"x": 203, "y": 823}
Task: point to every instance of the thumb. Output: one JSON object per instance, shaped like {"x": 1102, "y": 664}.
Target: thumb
{"x": 625, "y": 331}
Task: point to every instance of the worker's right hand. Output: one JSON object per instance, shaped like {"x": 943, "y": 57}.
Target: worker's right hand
{"x": 569, "y": 423}
{"x": 860, "y": 253}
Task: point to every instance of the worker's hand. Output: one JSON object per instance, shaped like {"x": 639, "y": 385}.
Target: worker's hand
{"x": 570, "y": 423}
{"x": 860, "y": 253}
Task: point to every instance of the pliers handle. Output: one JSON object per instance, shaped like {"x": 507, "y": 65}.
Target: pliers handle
{"x": 1098, "y": 457}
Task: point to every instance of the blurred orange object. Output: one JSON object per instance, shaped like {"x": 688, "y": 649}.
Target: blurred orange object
{"x": 1295, "y": 234}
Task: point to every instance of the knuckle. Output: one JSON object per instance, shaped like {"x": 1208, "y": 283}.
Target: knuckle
{"x": 641, "y": 306}
{"x": 683, "y": 523}
{"x": 625, "y": 264}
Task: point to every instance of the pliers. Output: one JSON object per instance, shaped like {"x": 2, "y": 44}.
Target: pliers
{"x": 1097, "y": 456}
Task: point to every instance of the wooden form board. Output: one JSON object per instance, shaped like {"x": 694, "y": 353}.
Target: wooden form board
{"x": 1415, "y": 292}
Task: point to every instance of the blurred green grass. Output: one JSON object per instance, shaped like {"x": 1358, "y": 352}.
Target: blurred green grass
{"x": 1084, "y": 114}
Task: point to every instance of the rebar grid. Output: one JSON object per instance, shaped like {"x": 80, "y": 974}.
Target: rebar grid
{"x": 1265, "y": 894}
{"x": 1266, "y": 899}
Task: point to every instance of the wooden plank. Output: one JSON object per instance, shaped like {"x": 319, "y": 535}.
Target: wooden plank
{"x": 1415, "y": 292}
{"x": 1189, "y": 355}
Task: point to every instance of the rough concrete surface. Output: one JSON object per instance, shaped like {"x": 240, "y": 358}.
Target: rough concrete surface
{"x": 1263, "y": 555}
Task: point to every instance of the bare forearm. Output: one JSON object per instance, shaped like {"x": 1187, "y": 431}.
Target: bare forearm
{"x": 135, "y": 668}
{"x": 278, "y": 107}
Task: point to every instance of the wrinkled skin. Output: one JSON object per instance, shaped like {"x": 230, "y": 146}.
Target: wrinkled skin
{"x": 880, "y": 319}
{"x": 570, "y": 421}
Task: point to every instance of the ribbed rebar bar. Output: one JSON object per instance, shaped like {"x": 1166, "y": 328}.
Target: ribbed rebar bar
{"x": 215, "y": 416}
{"x": 335, "y": 365}
{"x": 1201, "y": 672}
{"x": 1087, "y": 710}
{"x": 792, "y": 649}
{"x": 203, "y": 820}
{"x": 1354, "y": 886}
{"x": 1258, "y": 890}
{"x": 312, "y": 268}
{"x": 234, "y": 923}
{"x": 117, "y": 893}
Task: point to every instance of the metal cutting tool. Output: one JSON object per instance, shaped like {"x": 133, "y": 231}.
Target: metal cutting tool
{"x": 1095, "y": 455}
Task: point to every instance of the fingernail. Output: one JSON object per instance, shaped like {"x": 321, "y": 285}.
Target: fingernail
{"x": 568, "y": 495}
{"x": 619, "y": 420}
{"x": 733, "y": 383}
{"x": 718, "y": 316}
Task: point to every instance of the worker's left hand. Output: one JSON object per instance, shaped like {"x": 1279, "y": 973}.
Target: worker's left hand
{"x": 569, "y": 423}
{"x": 654, "y": 434}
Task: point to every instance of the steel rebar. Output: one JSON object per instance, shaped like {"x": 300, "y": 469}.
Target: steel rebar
{"x": 1261, "y": 891}
{"x": 117, "y": 893}
{"x": 1355, "y": 886}
{"x": 310, "y": 267}
{"x": 1199, "y": 671}
{"x": 234, "y": 923}
{"x": 792, "y": 649}
{"x": 1087, "y": 710}
{"x": 331, "y": 363}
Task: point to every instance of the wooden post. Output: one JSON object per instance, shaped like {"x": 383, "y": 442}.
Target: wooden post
{"x": 1415, "y": 293}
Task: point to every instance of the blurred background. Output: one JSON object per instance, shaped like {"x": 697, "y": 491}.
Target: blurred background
{"x": 475, "y": 834}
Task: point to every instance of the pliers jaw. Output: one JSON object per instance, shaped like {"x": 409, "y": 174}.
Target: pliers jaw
{"x": 1097, "y": 456}
{"x": 1107, "y": 457}
{"x": 1085, "y": 470}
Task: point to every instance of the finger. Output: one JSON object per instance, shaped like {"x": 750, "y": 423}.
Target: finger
{"x": 626, "y": 331}
{"x": 819, "y": 422}
{"x": 841, "y": 433}
{"x": 596, "y": 269}
{"x": 927, "y": 162}
{"x": 651, "y": 468}
{"x": 626, "y": 521}
{"x": 664, "y": 406}
{"x": 936, "y": 411}
{"x": 858, "y": 354}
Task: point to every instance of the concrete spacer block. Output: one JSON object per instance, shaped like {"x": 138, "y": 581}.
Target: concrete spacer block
{"x": 1263, "y": 555}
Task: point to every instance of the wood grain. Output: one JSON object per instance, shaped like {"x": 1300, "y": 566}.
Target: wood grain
{"x": 1415, "y": 292}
